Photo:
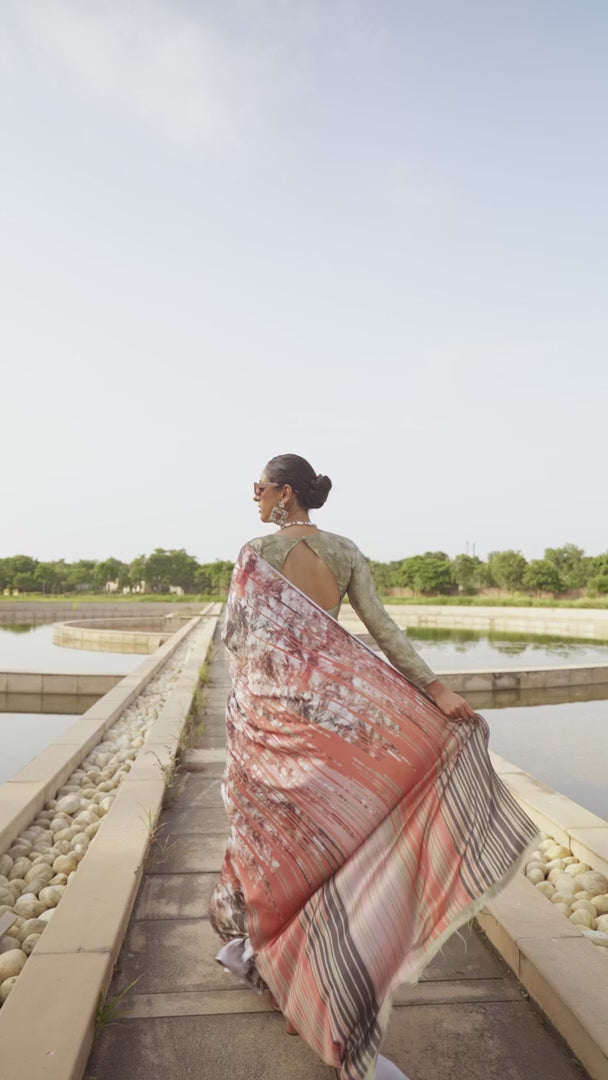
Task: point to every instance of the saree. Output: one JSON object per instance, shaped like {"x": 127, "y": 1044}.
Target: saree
{"x": 365, "y": 826}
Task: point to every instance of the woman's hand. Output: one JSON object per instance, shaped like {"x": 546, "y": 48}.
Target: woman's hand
{"x": 452, "y": 705}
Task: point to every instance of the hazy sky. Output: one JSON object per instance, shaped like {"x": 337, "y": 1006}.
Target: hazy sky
{"x": 370, "y": 232}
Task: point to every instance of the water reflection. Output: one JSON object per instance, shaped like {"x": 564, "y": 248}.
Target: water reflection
{"x": 492, "y": 650}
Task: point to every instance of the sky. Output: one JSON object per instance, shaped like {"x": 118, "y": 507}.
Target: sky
{"x": 371, "y": 232}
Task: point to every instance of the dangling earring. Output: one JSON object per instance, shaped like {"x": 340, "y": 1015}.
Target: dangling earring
{"x": 278, "y": 515}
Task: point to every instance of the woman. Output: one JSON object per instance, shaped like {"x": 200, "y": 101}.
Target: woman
{"x": 367, "y": 823}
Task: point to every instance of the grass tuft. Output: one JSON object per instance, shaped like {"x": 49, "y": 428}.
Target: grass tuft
{"x": 108, "y": 1010}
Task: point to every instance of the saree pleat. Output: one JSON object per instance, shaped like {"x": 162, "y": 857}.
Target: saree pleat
{"x": 365, "y": 826}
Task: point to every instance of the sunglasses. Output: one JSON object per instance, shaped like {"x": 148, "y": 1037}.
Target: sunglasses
{"x": 259, "y": 489}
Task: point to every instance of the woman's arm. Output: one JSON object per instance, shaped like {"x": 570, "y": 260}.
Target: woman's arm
{"x": 396, "y": 645}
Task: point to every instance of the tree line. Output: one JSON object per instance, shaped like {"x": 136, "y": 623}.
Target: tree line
{"x": 155, "y": 573}
{"x": 562, "y": 570}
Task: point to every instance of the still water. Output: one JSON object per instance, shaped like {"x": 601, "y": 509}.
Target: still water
{"x": 31, "y": 648}
{"x": 470, "y": 650}
{"x": 564, "y": 745}
{"x": 24, "y": 735}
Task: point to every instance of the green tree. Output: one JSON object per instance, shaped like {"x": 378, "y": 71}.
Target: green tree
{"x": 570, "y": 562}
{"x": 51, "y": 577}
{"x": 25, "y": 582}
{"x": 14, "y": 565}
{"x": 220, "y": 573}
{"x": 406, "y": 577}
{"x": 184, "y": 569}
{"x": 507, "y": 569}
{"x": 110, "y": 570}
{"x": 202, "y": 581}
{"x": 542, "y": 576}
{"x": 598, "y": 581}
{"x": 469, "y": 573}
{"x": 157, "y": 572}
{"x": 165, "y": 568}
{"x": 427, "y": 574}
{"x": 81, "y": 575}
{"x": 137, "y": 571}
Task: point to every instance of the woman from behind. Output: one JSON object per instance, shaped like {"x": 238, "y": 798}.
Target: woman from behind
{"x": 366, "y": 821}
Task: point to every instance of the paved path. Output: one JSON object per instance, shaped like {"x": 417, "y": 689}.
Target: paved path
{"x": 186, "y": 1019}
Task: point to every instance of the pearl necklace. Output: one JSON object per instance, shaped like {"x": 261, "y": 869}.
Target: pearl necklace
{"x": 290, "y": 523}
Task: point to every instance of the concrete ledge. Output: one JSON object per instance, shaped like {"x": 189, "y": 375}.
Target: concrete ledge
{"x": 35, "y": 612}
{"x": 565, "y": 974}
{"x": 522, "y": 679}
{"x": 58, "y": 694}
{"x": 49, "y": 1040}
{"x": 571, "y": 622}
{"x": 46, "y": 1025}
{"x": 562, "y": 971}
{"x": 26, "y": 682}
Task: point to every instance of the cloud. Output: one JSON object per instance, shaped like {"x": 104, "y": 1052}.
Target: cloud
{"x": 200, "y": 72}
{"x": 156, "y": 62}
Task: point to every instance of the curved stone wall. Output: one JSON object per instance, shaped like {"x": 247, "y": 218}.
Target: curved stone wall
{"x": 114, "y": 635}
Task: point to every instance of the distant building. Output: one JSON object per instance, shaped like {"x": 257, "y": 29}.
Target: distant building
{"x": 141, "y": 587}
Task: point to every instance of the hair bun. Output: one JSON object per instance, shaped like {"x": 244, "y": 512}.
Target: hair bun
{"x": 319, "y": 489}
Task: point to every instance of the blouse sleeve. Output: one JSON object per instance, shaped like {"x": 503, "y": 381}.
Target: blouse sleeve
{"x": 392, "y": 640}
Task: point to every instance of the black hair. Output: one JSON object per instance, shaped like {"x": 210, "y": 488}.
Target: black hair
{"x": 311, "y": 489}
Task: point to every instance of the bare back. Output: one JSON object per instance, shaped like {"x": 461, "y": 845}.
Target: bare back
{"x": 307, "y": 571}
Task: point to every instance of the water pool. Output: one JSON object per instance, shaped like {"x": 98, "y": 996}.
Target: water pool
{"x": 31, "y": 648}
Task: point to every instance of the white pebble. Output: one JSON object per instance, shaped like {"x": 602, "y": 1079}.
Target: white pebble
{"x": 6, "y": 987}
{"x": 11, "y": 963}
{"x": 69, "y": 804}
{"x": 20, "y": 868}
{"x": 65, "y": 864}
{"x": 28, "y": 906}
{"x": 592, "y": 881}
{"x": 561, "y": 898}
{"x": 582, "y": 918}
{"x": 558, "y": 852}
{"x": 29, "y": 944}
{"x": 535, "y": 875}
{"x": 565, "y": 884}
{"x": 6, "y": 865}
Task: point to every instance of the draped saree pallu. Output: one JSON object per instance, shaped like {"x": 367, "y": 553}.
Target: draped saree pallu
{"x": 365, "y": 826}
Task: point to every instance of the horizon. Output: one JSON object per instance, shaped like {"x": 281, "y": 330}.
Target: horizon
{"x": 223, "y": 558}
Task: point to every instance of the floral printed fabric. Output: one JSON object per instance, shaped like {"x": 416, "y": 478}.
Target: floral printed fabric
{"x": 365, "y": 827}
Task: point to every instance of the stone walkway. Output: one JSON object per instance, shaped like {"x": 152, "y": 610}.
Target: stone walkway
{"x": 186, "y": 1019}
